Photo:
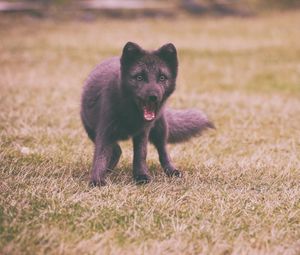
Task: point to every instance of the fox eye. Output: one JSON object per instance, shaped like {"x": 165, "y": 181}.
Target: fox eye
{"x": 162, "y": 77}
{"x": 139, "y": 78}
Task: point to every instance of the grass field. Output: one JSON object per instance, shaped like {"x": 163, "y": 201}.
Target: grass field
{"x": 241, "y": 188}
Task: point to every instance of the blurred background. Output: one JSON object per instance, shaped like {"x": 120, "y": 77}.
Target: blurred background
{"x": 119, "y": 8}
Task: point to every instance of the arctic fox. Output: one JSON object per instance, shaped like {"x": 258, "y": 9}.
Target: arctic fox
{"x": 125, "y": 98}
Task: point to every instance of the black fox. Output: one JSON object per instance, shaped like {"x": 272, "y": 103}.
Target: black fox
{"x": 125, "y": 97}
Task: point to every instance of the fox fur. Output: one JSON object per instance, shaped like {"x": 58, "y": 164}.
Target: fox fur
{"x": 124, "y": 97}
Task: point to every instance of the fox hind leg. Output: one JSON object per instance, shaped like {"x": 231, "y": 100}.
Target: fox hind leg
{"x": 106, "y": 155}
{"x": 116, "y": 154}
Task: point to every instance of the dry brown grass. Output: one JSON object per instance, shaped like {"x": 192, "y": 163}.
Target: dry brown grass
{"x": 240, "y": 193}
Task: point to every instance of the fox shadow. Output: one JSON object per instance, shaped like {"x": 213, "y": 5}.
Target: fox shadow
{"x": 122, "y": 175}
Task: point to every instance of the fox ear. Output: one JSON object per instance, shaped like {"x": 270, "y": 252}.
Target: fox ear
{"x": 131, "y": 52}
{"x": 168, "y": 53}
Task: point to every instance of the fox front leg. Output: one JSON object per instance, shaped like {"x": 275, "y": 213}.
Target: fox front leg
{"x": 140, "y": 170}
{"x": 158, "y": 136}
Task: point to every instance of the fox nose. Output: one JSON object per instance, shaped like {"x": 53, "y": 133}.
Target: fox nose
{"x": 152, "y": 98}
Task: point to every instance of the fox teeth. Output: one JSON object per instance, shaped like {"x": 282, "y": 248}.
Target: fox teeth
{"x": 149, "y": 114}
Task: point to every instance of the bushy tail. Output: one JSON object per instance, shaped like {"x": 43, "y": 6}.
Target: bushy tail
{"x": 184, "y": 124}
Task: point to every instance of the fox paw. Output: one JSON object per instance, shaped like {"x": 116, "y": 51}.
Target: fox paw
{"x": 173, "y": 173}
{"x": 142, "y": 178}
{"x": 97, "y": 182}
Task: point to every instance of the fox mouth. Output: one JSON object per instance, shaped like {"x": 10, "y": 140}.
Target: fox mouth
{"x": 149, "y": 110}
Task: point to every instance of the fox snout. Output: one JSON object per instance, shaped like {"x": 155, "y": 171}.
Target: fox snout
{"x": 153, "y": 96}
{"x": 150, "y": 104}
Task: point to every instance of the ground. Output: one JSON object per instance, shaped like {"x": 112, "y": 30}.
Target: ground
{"x": 240, "y": 193}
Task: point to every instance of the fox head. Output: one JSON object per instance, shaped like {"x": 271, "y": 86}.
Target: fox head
{"x": 149, "y": 77}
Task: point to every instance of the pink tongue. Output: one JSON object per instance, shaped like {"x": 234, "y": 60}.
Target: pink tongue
{"x": 148, "y": 114}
